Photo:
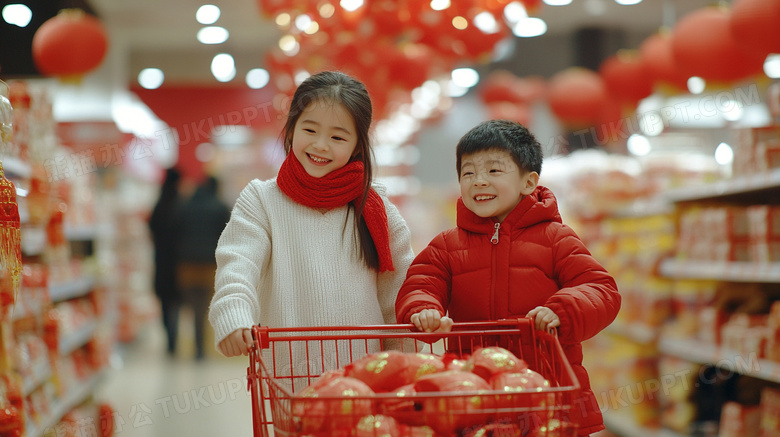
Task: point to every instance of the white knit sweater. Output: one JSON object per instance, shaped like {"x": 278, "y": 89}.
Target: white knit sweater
{"x": 282, "y": 264}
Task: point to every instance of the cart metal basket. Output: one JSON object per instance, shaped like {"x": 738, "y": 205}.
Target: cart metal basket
{"x": 285, "y": 360}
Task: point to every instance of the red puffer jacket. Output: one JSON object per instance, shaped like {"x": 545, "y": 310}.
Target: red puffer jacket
{"x": 537, "y": 260}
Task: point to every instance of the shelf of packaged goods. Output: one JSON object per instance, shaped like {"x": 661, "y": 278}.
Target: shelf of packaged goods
{"x": 622, "y": 425}
{"x": 68, "y": 290}
{"x": 32, "y": 308}
{"x": 722, "y": 270}
{"x": 16, "y": 168}
{"x": 636, "y": 332}
{"x": 78, "y": 338}
{"x": 33, "y": 240}
{"x": 646, "y": 208}
{"x": 72, "y": 399}
{"x": 698, "y": 352}
{"x": 41, "y": 372}
{"x": 727, "y": 187}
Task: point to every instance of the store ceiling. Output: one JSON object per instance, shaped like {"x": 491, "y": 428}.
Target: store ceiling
{"x": 161, "y": 34}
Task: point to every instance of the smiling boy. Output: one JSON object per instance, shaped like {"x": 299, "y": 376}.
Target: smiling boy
{"x": 511, "y": 256}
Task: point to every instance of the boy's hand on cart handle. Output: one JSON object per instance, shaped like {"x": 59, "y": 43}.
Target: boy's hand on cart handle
{"x": 237, "y": 343}
{"x": 544, "y": 318}
{"x": 431, "y": 321}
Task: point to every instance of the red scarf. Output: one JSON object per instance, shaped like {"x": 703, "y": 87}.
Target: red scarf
{"x": 336, "y": 189}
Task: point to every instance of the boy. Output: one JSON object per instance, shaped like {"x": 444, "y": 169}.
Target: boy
{"x": 511, "y": 256}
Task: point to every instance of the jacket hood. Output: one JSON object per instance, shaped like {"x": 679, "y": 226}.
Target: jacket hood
{"x": 540, "y": 206}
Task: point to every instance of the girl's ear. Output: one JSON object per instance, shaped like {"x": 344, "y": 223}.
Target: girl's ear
{"x": 529, "y": 181}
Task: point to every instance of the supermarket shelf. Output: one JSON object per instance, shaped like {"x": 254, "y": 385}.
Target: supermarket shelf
{"x": 698, "y": 352}
{"x": 68, "y": 290}
{"x": 30, "y": 309}
{"x": 71, "y": 400}
{"x": 624, "y": 426}
{"x": 77, "y": 339}
{"x": 722, "y": 270}
{"x": 41, "y": 372}
{"x": 646, "y": 208}
{"x": 727, "y": 187}
{"x": 33, "y": 240}
{"x": 15, "y": 167}
{"x": 636, "y": 332}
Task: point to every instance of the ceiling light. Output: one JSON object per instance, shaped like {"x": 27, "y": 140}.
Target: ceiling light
{"x": 440, "y": 5}
{"x": 724, "y": 154}
{"x": 283, "y": 19}
{"x": 213, "y": 35}
{"x": 289, "y": 45}
{"x": 638, "y": 145}
{"x": 628, "y": 2}
{"x": 223, "y": 67}
{"x": 465, "y": 77}
{"x": 557, "y": 2}
{"x": 772, "y": 66}
{"x": 207, "y": 14}
{"x": 460, "y": 23}
{"x": 16, "y": 14}
{"x": 257, "y": 78}
{"x": 530, "y": 27}
{"x": 486, "y": 22}
{"x": 302, "y": 22}
{"x": 151, "y": 78}
{"x": 696, "y": 85}
{"x": 514, "y": 12}
{"x": 351, "y": 5}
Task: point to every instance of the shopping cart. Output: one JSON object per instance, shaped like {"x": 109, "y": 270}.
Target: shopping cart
{"x": 273, "y": 381}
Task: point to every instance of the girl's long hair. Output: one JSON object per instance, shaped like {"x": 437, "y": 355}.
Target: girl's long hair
{"x": 329, "y": 87}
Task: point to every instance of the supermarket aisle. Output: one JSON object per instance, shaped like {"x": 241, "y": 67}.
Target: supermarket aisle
{"x": 154, "y": 395}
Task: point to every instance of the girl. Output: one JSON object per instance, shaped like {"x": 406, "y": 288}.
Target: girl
{"x": 317, "y": 246}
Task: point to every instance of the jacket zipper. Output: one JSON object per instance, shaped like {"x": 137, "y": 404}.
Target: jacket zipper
{"x": 494, "y": 238}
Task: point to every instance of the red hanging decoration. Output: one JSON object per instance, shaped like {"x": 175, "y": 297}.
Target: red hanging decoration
{"x": 703, "y": 46}
{"x": 69, "y": 44}
{"x": 755, "y": 25}
{"x": 576, "y": 96}
{"x": 626, "y": 79}
{"x": 657, "y": 57}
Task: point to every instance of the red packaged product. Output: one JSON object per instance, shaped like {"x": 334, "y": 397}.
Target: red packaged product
{"x": 327, "y": 415}
{"x": 465, "y": 408}
{"x": 489, "y": 361}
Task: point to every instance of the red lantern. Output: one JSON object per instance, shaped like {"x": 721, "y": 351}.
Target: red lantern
{"x": 755, "y": 25}
{"x": 626, "y": 78}
{"x": 657, "y": 57}
{"x": 576, "y": 95}
{"x": 703, "y": 46}
{"x": 70, "y": 44}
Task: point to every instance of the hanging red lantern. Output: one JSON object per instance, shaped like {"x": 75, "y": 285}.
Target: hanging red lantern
{"x": 69, "y": 44}
{"x": 657, "y": 57}
{"x": 626, "y": 78}
{"x": 500, "y": 86}
{"x": 755, "y": 25}
{"x": 576, "y": 95}
{"x": 703, "y": 46}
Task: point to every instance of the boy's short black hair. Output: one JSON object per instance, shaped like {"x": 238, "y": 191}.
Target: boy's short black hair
{"x": 504, "y": 135}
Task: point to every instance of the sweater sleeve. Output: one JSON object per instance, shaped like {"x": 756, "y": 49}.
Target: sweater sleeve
{"x": 388, "y": 283}
{"x": 242, "y": 253}
{"x": 588, "y": 300}
{"x": 427, "y": 283}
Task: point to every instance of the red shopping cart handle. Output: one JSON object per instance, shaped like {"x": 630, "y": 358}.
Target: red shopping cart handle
{"x": 262, "y": 334}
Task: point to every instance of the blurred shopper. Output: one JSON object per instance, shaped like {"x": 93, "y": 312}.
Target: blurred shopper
{"x": 200, "y": 221}
{"x": 162, "y": 226}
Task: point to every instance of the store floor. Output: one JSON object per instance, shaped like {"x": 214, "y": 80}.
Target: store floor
{"x": 153, "y": 394}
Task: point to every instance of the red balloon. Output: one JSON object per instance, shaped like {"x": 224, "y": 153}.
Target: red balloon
{"x": 69, "y": 44}
{"x": 576, "y": 96}
{"x": 755, "y": 25}
{"x": 703, "y": 46}
{"x": 626, "y": 78}
{"x": 657, "y": 57}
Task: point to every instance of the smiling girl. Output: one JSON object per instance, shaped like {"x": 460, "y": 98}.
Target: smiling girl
{"x": 319, "y": 245}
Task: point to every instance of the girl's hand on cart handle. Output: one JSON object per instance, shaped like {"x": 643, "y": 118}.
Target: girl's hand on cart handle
{"x": 237, "y": 343}
{"x": 544, "y": 318}
{"x": 431, "y": 321}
